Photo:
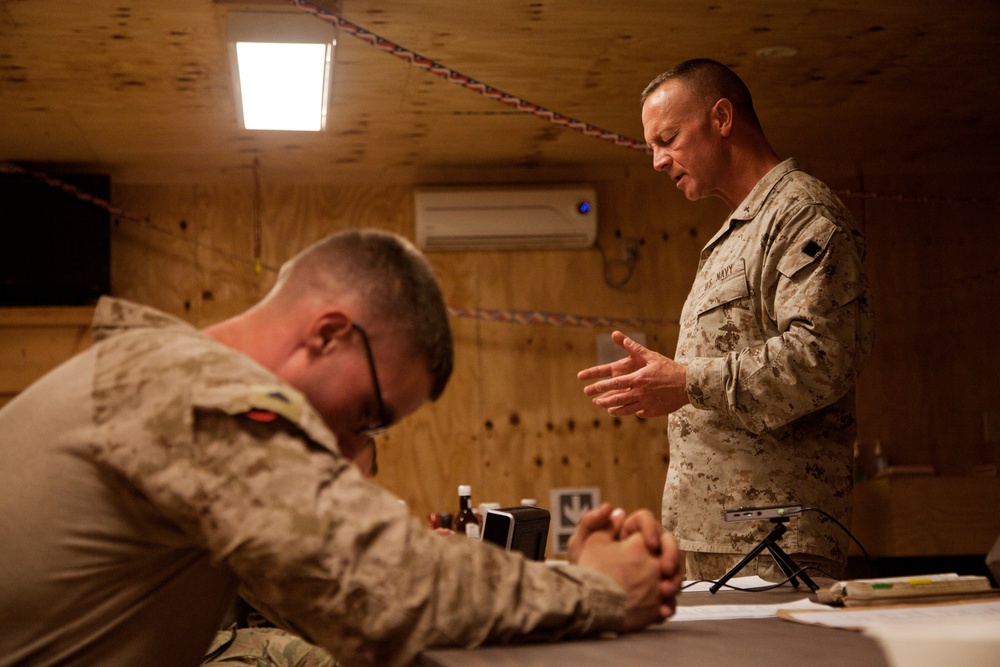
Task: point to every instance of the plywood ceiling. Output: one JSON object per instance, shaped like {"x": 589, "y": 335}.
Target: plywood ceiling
{"x": 142, "y": 89}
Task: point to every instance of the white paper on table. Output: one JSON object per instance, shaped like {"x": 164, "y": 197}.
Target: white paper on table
{"x": 857, "y": 619}
{"x": 719, "y": 612}
{"x": 736, "y": 582}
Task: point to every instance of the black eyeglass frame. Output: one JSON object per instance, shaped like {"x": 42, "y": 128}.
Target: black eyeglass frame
{"x": 384, "y": 416}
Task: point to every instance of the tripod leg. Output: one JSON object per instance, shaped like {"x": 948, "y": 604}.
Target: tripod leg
{"x": 736, "y": 568}
{"x": 784, "y": 562}
{"x": 789, "y": 567}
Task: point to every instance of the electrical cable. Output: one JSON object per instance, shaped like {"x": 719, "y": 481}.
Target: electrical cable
{"x": 868, "y": 558}
{"x": 628, "y": 262}
{"x": 769, "y": 587}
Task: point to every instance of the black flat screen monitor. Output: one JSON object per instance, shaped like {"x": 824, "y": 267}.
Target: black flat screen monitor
{"x": 56, "y": 248}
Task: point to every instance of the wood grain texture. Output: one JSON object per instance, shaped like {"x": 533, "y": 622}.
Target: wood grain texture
{"x": 919, "y": 516}
{"x": 33, "y": 341}
{"x": 514, "y": 422}
{"x": 143, "y": 89}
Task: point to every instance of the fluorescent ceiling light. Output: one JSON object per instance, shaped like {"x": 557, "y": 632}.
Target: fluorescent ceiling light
{"x": 282, "y": 65}
{"x": 283, "y": 86}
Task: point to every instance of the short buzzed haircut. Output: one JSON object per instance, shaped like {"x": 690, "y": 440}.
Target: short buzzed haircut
{"x": 712, "y": 81}
{"x": 391, "y": 278}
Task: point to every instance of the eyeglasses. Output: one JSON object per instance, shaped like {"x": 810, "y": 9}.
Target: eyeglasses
{"x": 384, "y": 418}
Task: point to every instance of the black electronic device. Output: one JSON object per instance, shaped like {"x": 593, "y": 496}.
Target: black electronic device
{"x": 522, "y": 528}
{"x": 758, "y": 513}
{"x": 777, "y": 515}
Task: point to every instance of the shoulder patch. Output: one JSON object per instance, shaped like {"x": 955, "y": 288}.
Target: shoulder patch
{"x": 811, "y": 248}
{"x": 267, "y": 404}
{"x": 261, "y": 403}
{"x": 263, "y": 416}
{"x": 807, "y": 248}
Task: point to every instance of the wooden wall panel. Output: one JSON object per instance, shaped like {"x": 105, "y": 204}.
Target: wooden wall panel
{"x": 193, "y": 256}
{"x": 916, "y": 516}
{"x": 529, "y": 426}
{"x": 33, "y": 341}
{"x": 514, "y": 421}
{"x": 936, "y": 271}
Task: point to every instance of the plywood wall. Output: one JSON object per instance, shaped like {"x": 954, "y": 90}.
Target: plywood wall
{"x": 514, "y": 422}
{"x": 33, "y": 341}
{"x": 934, "y": 375}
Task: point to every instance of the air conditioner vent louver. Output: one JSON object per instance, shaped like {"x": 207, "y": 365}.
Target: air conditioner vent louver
{"x": 492, "y": 218}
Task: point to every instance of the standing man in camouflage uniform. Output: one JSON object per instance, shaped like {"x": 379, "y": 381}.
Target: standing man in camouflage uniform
{"x": 147, "y": 478}
{"x": 773, "y": 336}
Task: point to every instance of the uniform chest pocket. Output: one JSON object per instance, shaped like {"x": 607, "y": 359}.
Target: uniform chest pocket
{"x": 726, "y": 318}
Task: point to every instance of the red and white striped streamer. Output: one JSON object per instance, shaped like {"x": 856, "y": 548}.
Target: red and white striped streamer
{"x": 541, "y": 317}
{"x": 467, "y": 82}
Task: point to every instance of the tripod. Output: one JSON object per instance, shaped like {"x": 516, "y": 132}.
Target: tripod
{"x": 784, "y": 561}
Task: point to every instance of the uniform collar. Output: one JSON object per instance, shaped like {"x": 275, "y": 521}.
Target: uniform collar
{"x": 751, "y": 205}
{"x": 115, "y": 316}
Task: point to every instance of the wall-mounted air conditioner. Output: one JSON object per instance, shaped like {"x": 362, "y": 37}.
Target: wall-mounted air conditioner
{"x": 506, "y": 217}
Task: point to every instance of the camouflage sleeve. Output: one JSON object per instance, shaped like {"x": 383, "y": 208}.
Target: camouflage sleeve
{"x": 822, "y": 324}
{"x": 336, "y": 559}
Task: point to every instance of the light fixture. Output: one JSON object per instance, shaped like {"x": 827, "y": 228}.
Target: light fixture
{"x": 282, "y": 65}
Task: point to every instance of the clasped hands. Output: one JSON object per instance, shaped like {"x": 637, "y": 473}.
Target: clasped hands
{"x": 638, "y": 554}
{"x": 645, "y": 383}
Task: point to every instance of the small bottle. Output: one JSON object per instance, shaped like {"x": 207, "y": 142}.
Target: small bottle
{"x": 859, "y": 463}
{"x": 466, "y": 522}
{"x": 880, "y": 462}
